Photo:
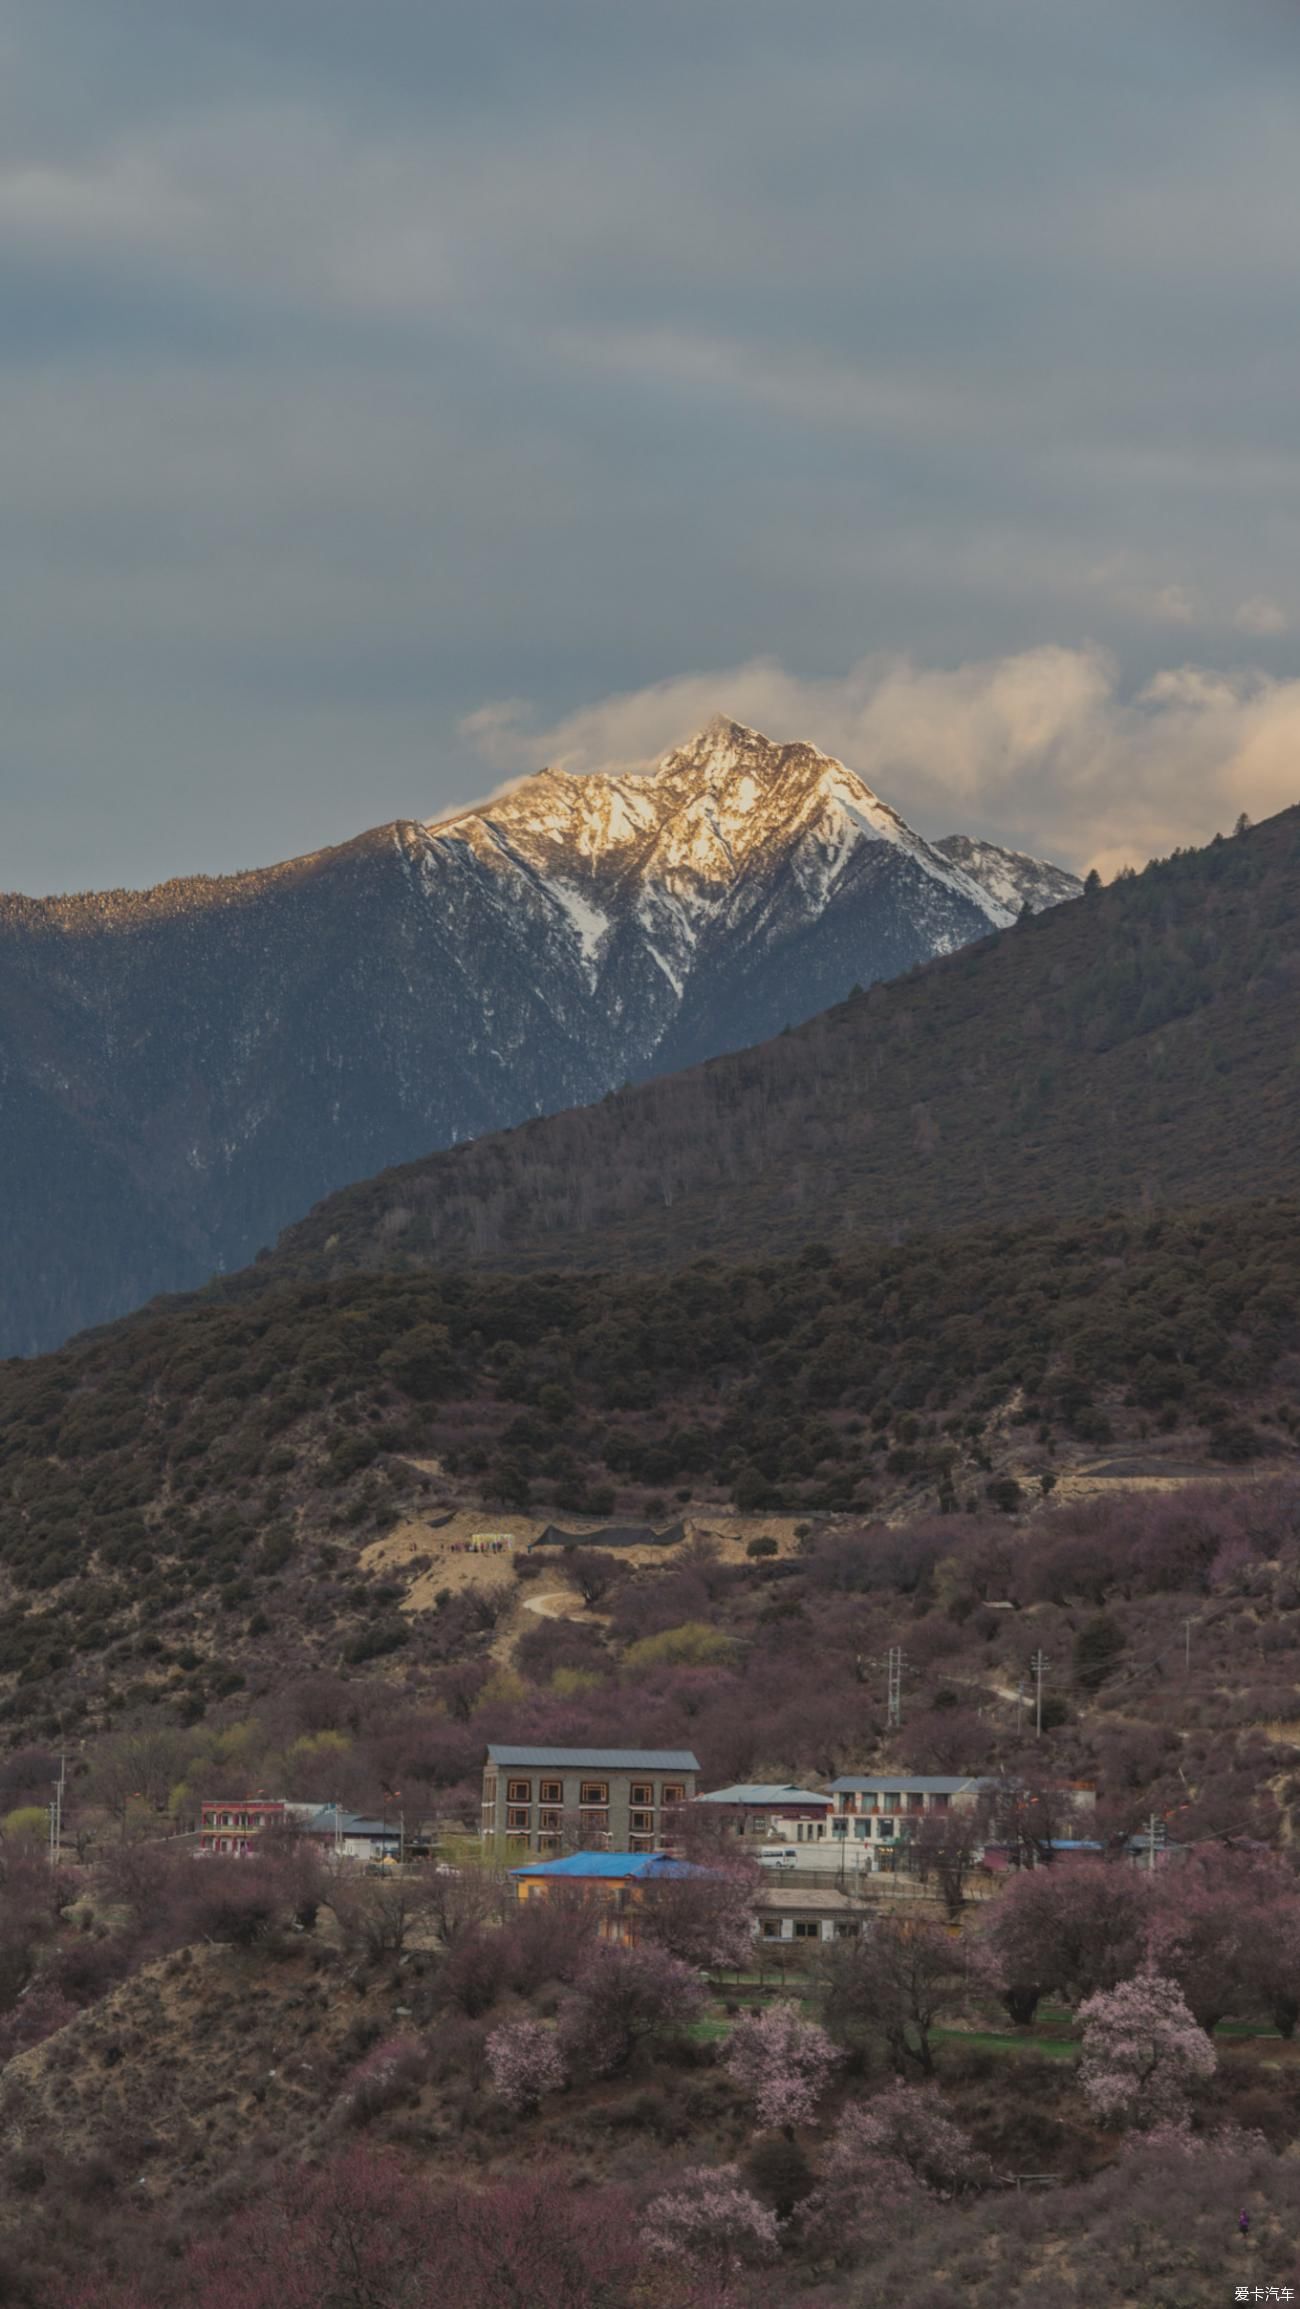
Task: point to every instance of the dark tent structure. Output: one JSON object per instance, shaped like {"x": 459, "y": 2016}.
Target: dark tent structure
{"x": 614, "y": 1535}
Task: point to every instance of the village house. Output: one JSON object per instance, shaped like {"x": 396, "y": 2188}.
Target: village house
{"x": 233, "y": 1824}
{"x": 875, "y": 1812}
{"x": 790, "y": 1912}
{"x": 754, "y": 1809}
{"x": 614, "y": 1882}
{"x": 355, "y": 1835}
{"x": 616, "y": 1800}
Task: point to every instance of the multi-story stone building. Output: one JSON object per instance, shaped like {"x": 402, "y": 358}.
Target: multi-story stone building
{"x": 547, "y": 1800}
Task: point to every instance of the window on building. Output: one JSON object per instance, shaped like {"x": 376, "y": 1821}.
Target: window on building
{"x": 916, "y": 1803}
{"x": 641, "y": 1843}
{"x": 642, "y": 1792}
{"x": 519, "y": 1791}
{"x": 550, "y": 1823}
{"x": 884, "y": 1827}
{"x": 939, "y": 1803}
{"x": 846, "y": 1930}
{"x": 551, "y": 1791}
{"x": 518, "y": 1819}
{"x": 861, "y": 1828}
{"x": 805, "y": 1930}
{"x": 643, "y": 1823}
{"x": 839, "y": 1827}
{"x": 548, "y": 1843}
{"x": 674, "y": 1792}
{"x": 594, "y": 1792}
{"x": 770, "y": 1928}
{"x": 892, "y": 1801}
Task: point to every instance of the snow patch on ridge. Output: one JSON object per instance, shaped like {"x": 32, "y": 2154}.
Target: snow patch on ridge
{"x": 586, "y": 921}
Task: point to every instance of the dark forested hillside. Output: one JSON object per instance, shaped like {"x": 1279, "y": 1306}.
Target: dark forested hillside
{"x": 1136, "y": 1050}
{"x": 183, "y": 1470}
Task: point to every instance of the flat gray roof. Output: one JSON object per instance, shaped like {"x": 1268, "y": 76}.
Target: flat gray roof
{"x": 595, "y": 1759}
{"x": 760, "y": 1792}
{"x": 788, "y": 1895}
{"x": 909, "y": 1783}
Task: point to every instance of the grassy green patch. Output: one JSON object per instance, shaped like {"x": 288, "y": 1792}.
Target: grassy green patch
{"x": 1001, "y": 2041}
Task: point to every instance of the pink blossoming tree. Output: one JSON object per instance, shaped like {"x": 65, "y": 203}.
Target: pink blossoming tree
{"x": 784, "y": 2063}
{"x": 525, "y": 2061}
{"x": 624, "y": 1999}
{"x": 1142, "y": 2052}
{"x": 712, "y": 2222}
{"x": 908, "y": 2123}
{"x": 897, "y": 2148}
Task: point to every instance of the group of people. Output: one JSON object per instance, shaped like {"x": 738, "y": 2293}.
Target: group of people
{"x": 484, "y": 1543}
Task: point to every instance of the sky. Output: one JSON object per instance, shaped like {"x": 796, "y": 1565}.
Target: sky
{"x": 396, "y": 397}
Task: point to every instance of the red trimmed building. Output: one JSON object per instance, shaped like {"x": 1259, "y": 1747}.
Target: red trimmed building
{"x": 233, "y": 1824}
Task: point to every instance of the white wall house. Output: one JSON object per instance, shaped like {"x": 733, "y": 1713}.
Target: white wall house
{"x": 875, "y": 1812}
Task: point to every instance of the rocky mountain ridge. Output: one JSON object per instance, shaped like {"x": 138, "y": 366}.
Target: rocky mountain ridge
{"x": 184, "y": 1070}
{"x": 1009, "y": 877}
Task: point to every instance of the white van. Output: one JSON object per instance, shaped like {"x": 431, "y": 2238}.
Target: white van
{"x": 778, "y": 1856}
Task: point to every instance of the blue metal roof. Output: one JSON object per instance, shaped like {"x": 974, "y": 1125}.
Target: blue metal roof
{"x": 610, "y": 1865}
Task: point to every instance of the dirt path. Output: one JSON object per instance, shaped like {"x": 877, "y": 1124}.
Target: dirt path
{"x": 559, "y": 1603}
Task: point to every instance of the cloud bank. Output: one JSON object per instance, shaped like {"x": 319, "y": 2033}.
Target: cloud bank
{"x": 1040, "y": 749}
{"x": 361, "y": 364}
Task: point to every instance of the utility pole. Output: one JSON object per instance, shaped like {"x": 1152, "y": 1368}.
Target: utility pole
{"x": 894, "y": 1703}
{"x": 56, "y": 1811}
{"x": 1038, "y": 1663}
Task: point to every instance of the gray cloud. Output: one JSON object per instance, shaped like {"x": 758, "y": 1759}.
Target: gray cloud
{"x": 363, "y": 366}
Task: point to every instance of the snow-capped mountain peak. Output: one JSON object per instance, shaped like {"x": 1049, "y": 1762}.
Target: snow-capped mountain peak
{"x": 242, "y": 1047}
{"x": 721, "y": 857}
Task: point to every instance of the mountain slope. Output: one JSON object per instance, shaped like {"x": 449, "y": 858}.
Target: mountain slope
{"x": 185, "y": 1494}
{"x": 185, "y": 1069}
{"x": 1008, "y": 876}
{"x": 1134, "y": 1049}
